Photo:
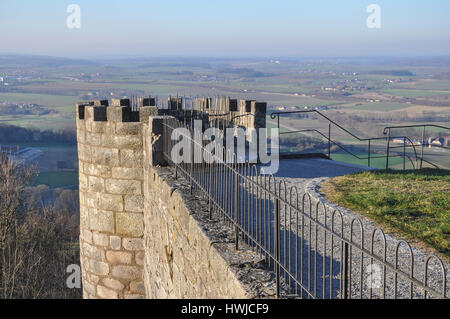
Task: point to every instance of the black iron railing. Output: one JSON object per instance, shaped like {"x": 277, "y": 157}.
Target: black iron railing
{"x": 415, "y": 160}
{"x": 387, "y": 131}
{"x": 314, "y": 251}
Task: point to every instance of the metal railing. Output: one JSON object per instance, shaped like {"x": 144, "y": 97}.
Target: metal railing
{"x": 387, "y": 131}
{"x": 416, "y": 161}
{"x": 315, "y": 252}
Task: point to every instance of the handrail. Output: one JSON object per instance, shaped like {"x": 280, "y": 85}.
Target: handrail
{"x": 415, "y": 125}
{"x": 351, "y": 153}
{"x": 276, "y": 115}
{"x": 387, "y": 131}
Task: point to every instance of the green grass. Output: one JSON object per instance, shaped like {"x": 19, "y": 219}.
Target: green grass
{"x": 56, "y": 179}
{"x": 414, "y": 203}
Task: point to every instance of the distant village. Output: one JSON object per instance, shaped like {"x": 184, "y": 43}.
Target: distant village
{"x": 443, "y": 141}
{"x": 7, "y": 108}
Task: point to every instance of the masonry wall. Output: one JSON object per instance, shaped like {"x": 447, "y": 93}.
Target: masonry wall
{"x": 111, "y": 199}
{"x": 187, "y": 255}
{"x": 141, "y": 235}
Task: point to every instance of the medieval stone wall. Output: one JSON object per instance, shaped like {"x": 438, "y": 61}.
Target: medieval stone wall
{"x": 139, "y": 237}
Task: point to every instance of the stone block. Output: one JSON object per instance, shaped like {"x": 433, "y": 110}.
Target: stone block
{"x": 133, "y": 243}
{"x": 130, "y": 224}
{"x": 106, "y": 293}
{"x": 100, "y": 239}
{"x": 134, "y": 203}
{"x": 123, "y": 186}
{"x": 115, "y": 242}
{"x": 111, "y": 202}
{"x": 98, "y": 267}
{"x": 135, "y": 173}
{"x": 101, "y": 220}
{"x": 131, "y": 158}
{"x": 119, "y": 257}
{"x": 113, "y": 283}
{"x": 127, "y": 272}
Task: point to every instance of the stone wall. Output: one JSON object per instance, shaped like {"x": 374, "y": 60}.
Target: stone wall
{"x": 111, "y": 198}
{"x": 187, "y": 254}
{"x": 133, "y": 219}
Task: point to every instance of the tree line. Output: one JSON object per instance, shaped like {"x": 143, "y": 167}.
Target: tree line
{"x": 17, "y": 134}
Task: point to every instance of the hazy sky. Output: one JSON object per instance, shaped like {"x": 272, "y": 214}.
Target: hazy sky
{"x": 226, "y": 28}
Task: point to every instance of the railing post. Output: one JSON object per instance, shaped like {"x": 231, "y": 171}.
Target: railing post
{"x": 236, "y": 208}
{"x": 210, "y": 191}
{"x": 329, "y": 140}
{"x": 423, "y": 144}
{"x": 404, "y": 153}
{"x": 368, "y": 155}
{"x": 346, "y": 261}
{"x": 277, "y": 245}
{"x": 192, "y": 161}
{"x": 387, "y": 148}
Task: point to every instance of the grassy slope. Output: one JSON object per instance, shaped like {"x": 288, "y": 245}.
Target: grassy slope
{"x": 416, "y": 203}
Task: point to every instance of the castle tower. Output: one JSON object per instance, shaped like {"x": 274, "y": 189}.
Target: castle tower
{"x": 110, "y": 151}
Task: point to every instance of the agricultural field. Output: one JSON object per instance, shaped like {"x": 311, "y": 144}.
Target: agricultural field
{"x": 360, "y": 94}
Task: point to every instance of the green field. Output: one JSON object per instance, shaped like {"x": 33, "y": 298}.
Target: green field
{"x": 380, "y": 107}
{"x": 48, "y": 100}
{"x": 56, "y": 179}
{"x": 374, "y": 162}
{"x": 411, "y": 93}
{"x": 64, "y": 106}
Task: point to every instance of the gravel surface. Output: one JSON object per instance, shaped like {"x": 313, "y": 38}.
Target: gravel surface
{"x": 323, "y": 258}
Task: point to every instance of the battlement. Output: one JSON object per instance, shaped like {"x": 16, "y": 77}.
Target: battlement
{"x": 113, "y": 153}
{"x": 119, "y": 111}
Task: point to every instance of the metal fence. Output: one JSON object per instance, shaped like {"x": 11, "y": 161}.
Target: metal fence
{"x": 407, "y": 150}
{"x": 315, "y": 252}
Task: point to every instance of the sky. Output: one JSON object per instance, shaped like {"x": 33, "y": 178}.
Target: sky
{"x": 225, "y": 28}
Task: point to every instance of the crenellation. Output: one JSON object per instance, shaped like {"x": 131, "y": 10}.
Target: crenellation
{"x": 118, "y": 145}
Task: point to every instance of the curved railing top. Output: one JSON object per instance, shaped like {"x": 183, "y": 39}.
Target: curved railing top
{"x": 385, "y": 130}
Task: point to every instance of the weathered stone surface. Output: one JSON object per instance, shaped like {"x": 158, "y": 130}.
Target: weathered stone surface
{"x": 127, "y": 272}
{"x": 131, "y": 158}
{"x": 119, "y": 257}
{"x": 132, "y": 243}
{"x": 133, "y": 173}
{"x": 115, "y": 242}
{"x": 106, "y": 293}
{"x": 130, "y": 224}
{"x": 137, "y": 287}
{"x": 98, "y": 267}
{"x": 123, "y": 186}
{"x": 111, "y": 202}
{"x": 113, "y": 284}
{"x": 115, "y": 214}
{"x": 101, "y": 220}
{"x": 134, "y": 203}
{"x": 101, "y": 239}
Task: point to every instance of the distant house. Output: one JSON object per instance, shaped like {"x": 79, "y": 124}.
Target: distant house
{"x": 437, "y": 141}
